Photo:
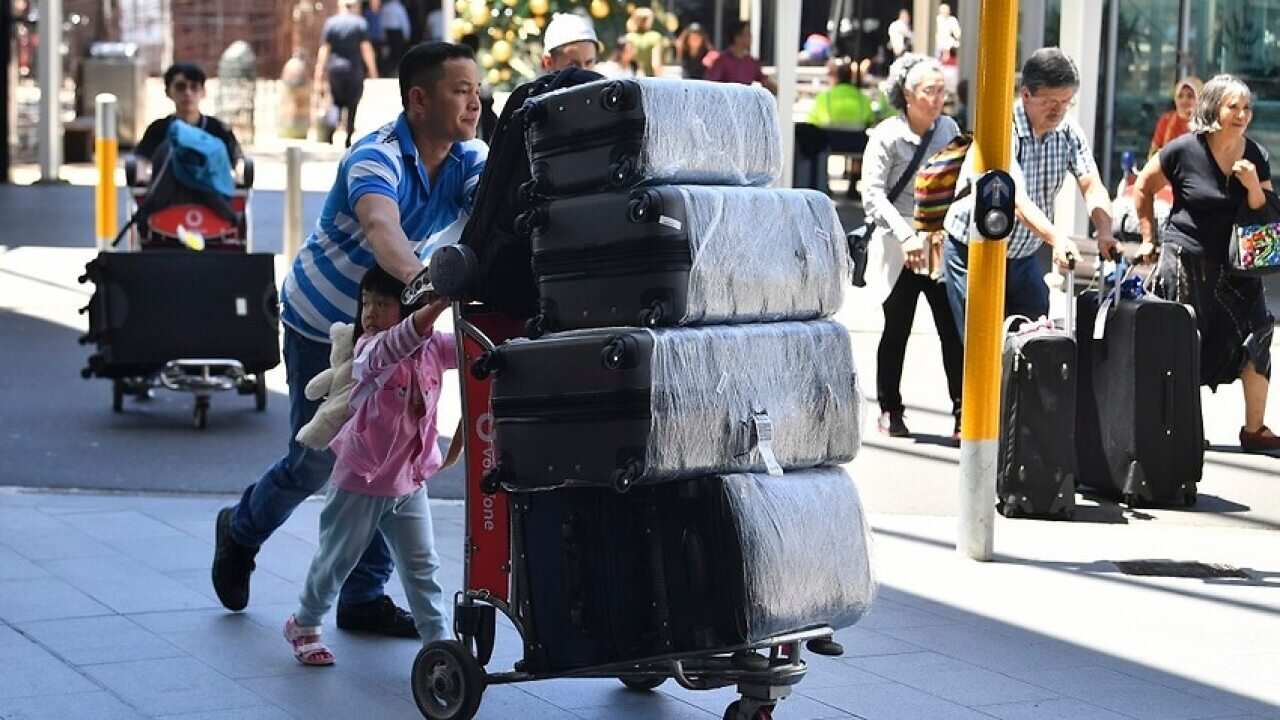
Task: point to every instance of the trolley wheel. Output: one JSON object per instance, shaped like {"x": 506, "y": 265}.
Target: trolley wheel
{"x": 1132, "y": 500}
{"x": 734, "y": 712}
{"x": 642, "y": 684}
{"x": 200, "y": 416}
{"x": 117, "y": 395}
{"x": 447, "y": 681}
{"x": 260, "y": 392}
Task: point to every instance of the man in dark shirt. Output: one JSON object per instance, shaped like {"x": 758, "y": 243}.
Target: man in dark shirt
{"x": 184, "y": 84}
{"x": 345, "y": 54}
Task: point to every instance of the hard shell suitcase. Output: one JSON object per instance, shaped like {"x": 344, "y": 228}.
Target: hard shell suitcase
{"x": 1036, "y": 471}
{"x": 709, "y": 564}
{"x": 1139, "y": 434}
{"x": 687, "y": 255}
{"x": 153, "y": 307}
{"x": 617, "y": 134}
{"x": 622, "y": 407}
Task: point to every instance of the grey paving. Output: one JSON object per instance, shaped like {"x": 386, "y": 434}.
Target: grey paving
{"x": 118, "y": 636}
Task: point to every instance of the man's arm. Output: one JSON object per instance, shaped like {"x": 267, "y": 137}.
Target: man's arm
{"x": 1098, "y": 200}
{"x": 366, "y": 51}
{"x": 379, "y": 217}
{"x": 322, "y": 59}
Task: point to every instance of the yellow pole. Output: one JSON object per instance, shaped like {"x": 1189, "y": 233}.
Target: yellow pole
{"x": 106, "y": 148}
{"x": 980, "y": 425}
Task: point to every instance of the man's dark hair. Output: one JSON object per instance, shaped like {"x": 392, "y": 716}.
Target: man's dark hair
{"x": 1049, "y": 68}
{"x": 737, "y": 28}
{"x": 423, "y": 65}
{"x": 379, "y": 282}
{"x": 844, "y": 72}
{"x": 190, "y": 71}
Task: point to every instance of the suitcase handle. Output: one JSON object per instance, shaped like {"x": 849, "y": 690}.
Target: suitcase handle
{"x": 1166, "y": 412}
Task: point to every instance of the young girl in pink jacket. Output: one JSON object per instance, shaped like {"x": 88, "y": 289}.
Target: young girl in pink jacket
{"x": 385, "y": 453}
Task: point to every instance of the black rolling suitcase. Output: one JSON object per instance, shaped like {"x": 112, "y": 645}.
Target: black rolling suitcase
{"x": 687, "y": 255}
{"x": 1036, "y": 470}
{"x": 622, "y": 406}
{"x": 153, "y": 307}
{"x": 1139, "y": 435}
{"x": 617, "y": 134}
{"x": 694, "y": 566}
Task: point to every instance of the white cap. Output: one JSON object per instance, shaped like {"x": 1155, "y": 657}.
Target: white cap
{"x": 566, "y": 28}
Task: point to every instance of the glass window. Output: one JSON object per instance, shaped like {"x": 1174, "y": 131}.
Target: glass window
{"x": 1241, "y": 37}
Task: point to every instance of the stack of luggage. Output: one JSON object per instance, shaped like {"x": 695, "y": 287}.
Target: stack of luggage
{"x": 673, "y": 427}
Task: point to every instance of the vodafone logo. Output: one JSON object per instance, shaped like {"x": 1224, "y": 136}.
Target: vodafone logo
{"x": 194, "y": 218}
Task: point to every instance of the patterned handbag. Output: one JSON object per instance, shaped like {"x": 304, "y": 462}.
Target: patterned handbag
{"x": 1255, "y": 239}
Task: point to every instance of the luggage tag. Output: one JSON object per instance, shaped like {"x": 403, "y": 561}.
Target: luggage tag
{"x": 670, "y": 222}
{"x": 762, "y": 439}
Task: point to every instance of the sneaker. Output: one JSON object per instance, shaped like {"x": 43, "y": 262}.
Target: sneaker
{"x": 380, "y": 617}
{"x": 1261, "y": 441}
{"x": 232, "y": 564}
{"x": 893, "y": 425}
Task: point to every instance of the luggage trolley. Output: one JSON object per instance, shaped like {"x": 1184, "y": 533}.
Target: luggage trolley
{"x": 449, "y": 677}
{"x": 172, "y": 228}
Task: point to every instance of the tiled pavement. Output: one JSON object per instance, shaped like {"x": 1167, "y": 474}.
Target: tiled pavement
{"x": 106, "y": 612}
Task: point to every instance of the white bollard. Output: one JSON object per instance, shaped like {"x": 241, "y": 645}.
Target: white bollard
{"x": 50, "y": 76}
{"x": 292, "y": 203}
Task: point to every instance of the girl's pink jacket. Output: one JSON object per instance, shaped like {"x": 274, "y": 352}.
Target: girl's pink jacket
{"x": 388, "y": 446}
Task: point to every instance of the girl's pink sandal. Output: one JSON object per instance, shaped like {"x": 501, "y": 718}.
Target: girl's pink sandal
{"x": 307, "y": 648}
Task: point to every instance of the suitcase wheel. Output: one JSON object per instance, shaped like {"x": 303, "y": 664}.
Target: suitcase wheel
{"x": 640, "y": 683}
{"x": 1131, "y": 499}
{"x": 612, "y": 96}
{"x": 485, "y": 365}
{"x": 653, "y": 315}
{"x": 530, "y": 222}
{"x": 621, "y": 172}
{"x": 639, "y": 208}
{"x": 536, "y": 326}
{"x": 529, "y": 192}
{"x": 533, "y": 113}
{"x": 492, "y": 480}
{"x": 625, "y": 476}
{"x": 448, "y": 682}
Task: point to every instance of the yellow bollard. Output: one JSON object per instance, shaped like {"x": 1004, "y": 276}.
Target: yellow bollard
{"x": 980, "y": 426}
{"x": 105, "y": 149}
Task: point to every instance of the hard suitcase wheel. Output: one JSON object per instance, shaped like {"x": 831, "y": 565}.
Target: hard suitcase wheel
{"x": 641, "y": 684}
{"x": 447, "y": 681}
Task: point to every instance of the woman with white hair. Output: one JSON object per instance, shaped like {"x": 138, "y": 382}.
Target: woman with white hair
{"x": 1215, "y": 171}
{"x": 916, "y": 89}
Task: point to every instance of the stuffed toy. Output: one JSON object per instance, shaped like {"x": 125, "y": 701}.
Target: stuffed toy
{"x": 334, "y": 385}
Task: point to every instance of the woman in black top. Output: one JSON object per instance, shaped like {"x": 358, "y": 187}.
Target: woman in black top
{"x": 691, "y": 52}
{"x": 1214, "y": 171}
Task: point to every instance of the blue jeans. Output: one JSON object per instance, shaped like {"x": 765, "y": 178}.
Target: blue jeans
{"x": 1024, "y": 290}
{"x": 268, "y": 503}
{"x": 347, "y": 523}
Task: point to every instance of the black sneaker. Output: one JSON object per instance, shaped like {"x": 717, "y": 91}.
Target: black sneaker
{"x": 380, "y": 617}
{"x": 893, "y": 425}
{"x": 232, "y": 564}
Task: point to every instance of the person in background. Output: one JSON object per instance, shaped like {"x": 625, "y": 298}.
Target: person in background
{"x": 184, "y": 84}
{"x": 1215, "y": 171}
{"x": 692, "y": 52}
{"x": 647, "y": 42}
{"x": 843, "y": 104}
{"x": 1048, "y": 146}
{"x": 899, "y": 254}
{"x": 569, "y": 41}
{"x": 396, "y": 29}
{"x": 621, "y": 62}
{"x": 346, "y": 57}
{"x": 947, "y": 34}
{"x": 371, "y": 11}
{"x": 900, "y": 34}
{"x": 736, "y": 65}
{"x": 1176, "y": 122}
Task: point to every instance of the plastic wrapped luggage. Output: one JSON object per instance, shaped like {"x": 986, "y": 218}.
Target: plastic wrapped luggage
{"x": 1139, "y": 433}
{"x": 703, "y": 565}
{"x": 1036, "y": 473}
{"x": 150, "y": 308}
{"x": 624, "y": 406}
{"x": 687, "y": 255}
{"x": 617, "y": 134}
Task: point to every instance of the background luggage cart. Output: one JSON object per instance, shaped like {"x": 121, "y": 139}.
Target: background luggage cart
{"x": 252, "y": 320}
{"x": 449, "y": 677}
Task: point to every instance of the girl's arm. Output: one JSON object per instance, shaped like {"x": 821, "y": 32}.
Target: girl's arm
{"x": 388, "y": 348}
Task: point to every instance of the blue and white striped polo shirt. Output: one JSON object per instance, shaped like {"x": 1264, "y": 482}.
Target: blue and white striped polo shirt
{"x": 324, "y": 282}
